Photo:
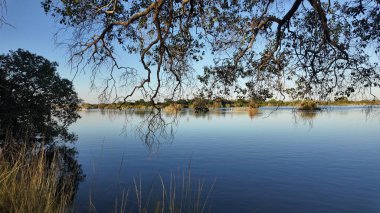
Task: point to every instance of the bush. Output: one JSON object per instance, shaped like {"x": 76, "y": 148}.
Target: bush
{"x": 34, "y": 99}
{"x": 173, "y": 107}
{"x": 200, "y": 105}
{"x": 308, "y": 105}
{"x": 252, "y": 104}
{"x": 217, "y": 105}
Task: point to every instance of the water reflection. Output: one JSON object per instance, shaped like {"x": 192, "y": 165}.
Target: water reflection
{"x": 268, "y": 163}
{"x": 49, "y": 172}
{"x": 308, "y": 115}
{"x": 70, "y": 169}
{"x": 253, "y": 112}
{"x": 156, "y": 127}
{"x": 153, "y": 127}
{"x": 219, "y": 112}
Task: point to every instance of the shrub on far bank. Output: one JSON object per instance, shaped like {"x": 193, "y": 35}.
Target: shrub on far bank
{"x": 200, "y": 105}
{"x": 308, "y": 105}
{"x": 217, "y": 105}
{"x": 252, "y": 104}
{"x": 173, "y": 107}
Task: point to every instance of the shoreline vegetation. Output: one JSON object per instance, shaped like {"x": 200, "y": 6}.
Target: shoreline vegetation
{"x": 204, "y": 105}
{"x": 32, "y": 180}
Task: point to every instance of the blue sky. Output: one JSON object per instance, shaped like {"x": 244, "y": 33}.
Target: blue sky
{"x": 34, "y": 31}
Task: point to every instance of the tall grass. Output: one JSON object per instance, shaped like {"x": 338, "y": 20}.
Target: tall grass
{"x": 31, "y": 181}
{"x": 179, "y": 193}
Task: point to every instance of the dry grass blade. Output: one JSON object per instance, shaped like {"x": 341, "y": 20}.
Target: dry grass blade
{"x": 30, "y": 182}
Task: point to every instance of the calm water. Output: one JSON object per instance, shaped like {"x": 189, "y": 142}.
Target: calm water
{"x": 275, "y": 161}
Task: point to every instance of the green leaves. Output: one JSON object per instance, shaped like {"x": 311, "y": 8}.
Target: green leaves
{"x": 310, "y": 46}
{"x": 34, "y": 98}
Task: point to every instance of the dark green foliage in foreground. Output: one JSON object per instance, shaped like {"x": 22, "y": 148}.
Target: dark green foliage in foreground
{"x": 34, "y": 99}
{"x": 37, "y": 173}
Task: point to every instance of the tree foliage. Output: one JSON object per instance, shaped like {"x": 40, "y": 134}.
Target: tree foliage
{"x": 35, "y": 102}
{"x": 306, "y": 48}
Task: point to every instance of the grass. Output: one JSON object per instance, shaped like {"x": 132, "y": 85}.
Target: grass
{"x": 175, "y": 194}
{"x": 30, "y": 182}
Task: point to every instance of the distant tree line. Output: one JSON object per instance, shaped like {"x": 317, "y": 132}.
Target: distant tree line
{"x": 218, "y": 103}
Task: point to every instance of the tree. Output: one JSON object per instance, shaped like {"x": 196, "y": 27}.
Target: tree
{"x": 308, "y": 48}
{"x": 36, "y": 104}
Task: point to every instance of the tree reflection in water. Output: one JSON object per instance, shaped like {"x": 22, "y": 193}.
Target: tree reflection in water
{"x": 306, "y": 117}
{"x": 38, "y": 177}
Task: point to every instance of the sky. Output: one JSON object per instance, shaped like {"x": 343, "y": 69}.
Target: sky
{"x": 31, "y": 29}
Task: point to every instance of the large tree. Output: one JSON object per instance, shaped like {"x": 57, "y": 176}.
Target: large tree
{"x": 307, "y": 48}
{"x": 35, "y": 102}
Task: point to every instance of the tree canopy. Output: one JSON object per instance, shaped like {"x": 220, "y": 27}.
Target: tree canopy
{"x": 35, "y": 102}
{"x": 302, "y": 48}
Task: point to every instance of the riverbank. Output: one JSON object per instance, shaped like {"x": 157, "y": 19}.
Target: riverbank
{"x": 236, "y": 105}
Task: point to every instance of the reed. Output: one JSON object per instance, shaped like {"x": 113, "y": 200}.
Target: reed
{"x": 31, "y": 181}
{"x": 179, "y": 192}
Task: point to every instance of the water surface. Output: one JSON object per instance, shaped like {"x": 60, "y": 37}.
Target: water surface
{"x": 274, "y": 161}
